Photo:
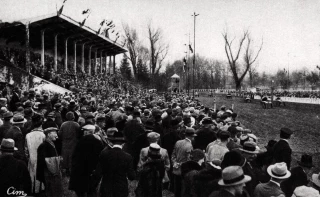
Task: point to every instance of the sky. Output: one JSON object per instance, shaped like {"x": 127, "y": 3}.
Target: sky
{"x": 290, "y": 29}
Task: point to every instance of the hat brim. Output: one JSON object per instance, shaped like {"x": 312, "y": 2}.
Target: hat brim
{"x": 315, "y": 180}
{"x": 250, "y": 152}
{"x": 6, "y": 150}
{"x": 305, "y": 164}
{"x": 21, "y": 122}
{"x": 269, "y": 170}
{"x": 244, "y": 180}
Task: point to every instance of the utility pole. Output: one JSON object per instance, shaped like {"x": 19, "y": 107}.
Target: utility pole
{"x": 194, "y": 47}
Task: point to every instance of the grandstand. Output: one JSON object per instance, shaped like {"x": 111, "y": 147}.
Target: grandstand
{"x": 58, "y": 49}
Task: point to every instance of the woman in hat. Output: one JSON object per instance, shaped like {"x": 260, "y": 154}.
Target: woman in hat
{"x": 152, "y": 173}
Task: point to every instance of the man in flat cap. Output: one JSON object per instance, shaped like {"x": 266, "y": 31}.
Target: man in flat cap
{"x": 282, "y": 151}
{"x": 180, "y": 154}
{"x": 51, "y": 177}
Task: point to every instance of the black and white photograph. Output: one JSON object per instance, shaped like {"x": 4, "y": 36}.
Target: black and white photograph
{"x": 160, "y": 98}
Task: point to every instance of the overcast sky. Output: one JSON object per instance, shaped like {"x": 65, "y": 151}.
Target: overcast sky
{"x": 290, "y": 28}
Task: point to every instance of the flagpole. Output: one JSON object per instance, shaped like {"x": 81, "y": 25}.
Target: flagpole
{"x": 194, "y": 48}
{"x": 188, "y": 68}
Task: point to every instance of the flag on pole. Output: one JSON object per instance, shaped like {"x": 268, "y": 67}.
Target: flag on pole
{"x": 61, "y": 9}
{"x": 110, "y": 23}
{"x": 190, "y": 48}
{"x": 85, "y": 12}
{"x": 102, "y": 22}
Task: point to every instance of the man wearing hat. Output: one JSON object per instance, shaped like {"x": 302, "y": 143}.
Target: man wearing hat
{"x": 58, "y": 114}
{"x": 14, "y": 99}
{"x": 116, "y": 166}
{"x": 298, "y": 175}
{"x": 282, "y": 151}
{"x": 180, "y": 154}
{"x": 249, "y": 151}
{"x": 153, "y": 138}
{"x": 32, "y": 142}
{"x": 304, "y": 191}
{"x": 169, "y": 139}
{"x": 50, "y": 122}
{"x": 205, "y": 134}
{"x": 152, "y": 173}
{"x": 69, "y": 134}
{"x": 15, "y": 133}
{"x": 141, "y": 141}
{"x": 188, "y": 171}
{"x": 84, "y": 161}
{"x": 51, "y": 179}
{"x": 232, "y": 182}
{"x": 6, "y": 124}
{"x": 14, "y": 173}
{"x": 278, "y": 172}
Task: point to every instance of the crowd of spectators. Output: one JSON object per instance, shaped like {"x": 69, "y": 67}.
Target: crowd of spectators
{"x": 162, "y": 142}
{"x": 69, "y": 80}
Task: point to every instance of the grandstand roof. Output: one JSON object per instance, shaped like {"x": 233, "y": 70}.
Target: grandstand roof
{"x": 62, "y": 25}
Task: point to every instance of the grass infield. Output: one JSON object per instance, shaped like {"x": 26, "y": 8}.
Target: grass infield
{"x": 303, "y": 119}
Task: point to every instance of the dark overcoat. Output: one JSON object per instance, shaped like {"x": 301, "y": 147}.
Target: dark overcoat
{"x": 116, "y": 166}
{"x": 14, "y": 173}
{"x": 282, "y": 152}
{"x": 150, "y": 182}
{"x": 44, "y": 150}
{"x": 84, "y": 161}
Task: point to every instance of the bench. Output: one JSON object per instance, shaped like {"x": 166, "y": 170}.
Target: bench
{"x": 266, "y": 103}
{"x": 229, "y": 96}
{"x": 247, "y": 99}
{"x": 278, "y": 103}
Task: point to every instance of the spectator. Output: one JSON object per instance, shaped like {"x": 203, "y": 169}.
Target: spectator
{"x": 33, "y": 141}
{"x": 180, "y": 154}
{"x": 48, "y": 170}
{"x": 116, "y": 167}
{"x": 298, "y": 175}
{"x": 6, "y": 124}
{"x": 15, "y": 133}
{"x": 14, "y": 173}
{"x": 278, "y": 172}
{"x": 189, "y": 170}
{"x": 84, "y": 161}
{"x": 232, "y": 182}
{"x": 152, "y": 174}
{"x": 69, "y": 135}
{"x": 281, "y": 150}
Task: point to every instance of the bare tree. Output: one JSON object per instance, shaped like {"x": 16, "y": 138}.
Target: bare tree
{"x": 158, "y": 50}
{"x": 249, "y": 57}
{"x": 133, "y": 46}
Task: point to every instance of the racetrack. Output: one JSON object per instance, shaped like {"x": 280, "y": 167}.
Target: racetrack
{"x": 303, "y": 119}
